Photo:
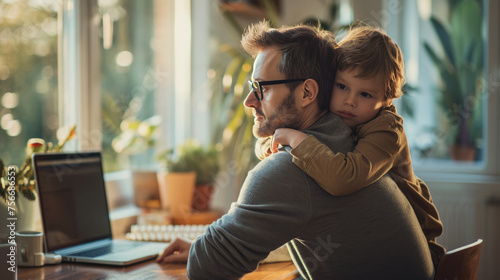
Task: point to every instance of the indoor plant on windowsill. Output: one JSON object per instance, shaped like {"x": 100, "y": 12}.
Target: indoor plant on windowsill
{"x": 206, "y": 163}
{"x": 21, "y": 198}
{"x": 187, "y": 177}
{"x": 460, "y": 69}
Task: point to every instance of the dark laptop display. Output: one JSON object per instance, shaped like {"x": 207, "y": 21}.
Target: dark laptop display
{"x": 75, "y": 214}
{"x": 73, "y": 199}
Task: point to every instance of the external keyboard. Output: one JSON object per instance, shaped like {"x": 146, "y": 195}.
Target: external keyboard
{"x": 168, "y": 233}
{"x": 165, "y": 233}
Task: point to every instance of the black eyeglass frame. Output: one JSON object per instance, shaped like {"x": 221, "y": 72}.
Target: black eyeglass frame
{"x": 258, "y": 85}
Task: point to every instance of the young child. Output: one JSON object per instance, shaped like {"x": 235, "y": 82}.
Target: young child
{"x": 369, "y": 75}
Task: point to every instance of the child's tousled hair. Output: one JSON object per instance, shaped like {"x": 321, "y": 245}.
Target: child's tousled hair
{"x": 371, "y": 51}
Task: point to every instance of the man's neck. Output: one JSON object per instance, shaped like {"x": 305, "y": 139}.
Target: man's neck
{"x": 311, "y": 117}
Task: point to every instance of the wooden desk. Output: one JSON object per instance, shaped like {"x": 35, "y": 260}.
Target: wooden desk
{"x": 144, "y": 270}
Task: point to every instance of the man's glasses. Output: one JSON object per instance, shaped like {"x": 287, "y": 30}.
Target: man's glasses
{"x": 256, "y": 86}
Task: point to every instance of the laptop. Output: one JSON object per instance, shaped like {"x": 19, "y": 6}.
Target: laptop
{"x": 75, "y": 214}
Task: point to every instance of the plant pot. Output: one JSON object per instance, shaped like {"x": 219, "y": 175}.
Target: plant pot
{"x": 202, "y": 197}
{"x": 146, "y": 191}
{"x": 176, "y": 192}
{"x": 462, "y": 152}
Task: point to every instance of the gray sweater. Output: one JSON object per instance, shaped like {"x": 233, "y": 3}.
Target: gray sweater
{"x": 370, "y": 234}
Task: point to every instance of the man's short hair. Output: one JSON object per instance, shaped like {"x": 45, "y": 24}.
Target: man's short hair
{"x": 372, "y": 52}
{"x": 308, "y": 53}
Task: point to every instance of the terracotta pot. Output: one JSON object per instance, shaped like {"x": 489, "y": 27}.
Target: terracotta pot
{"x": 176, "y": 192}
{"x": 202, "y": 197}
{"x": 463, "y": 152}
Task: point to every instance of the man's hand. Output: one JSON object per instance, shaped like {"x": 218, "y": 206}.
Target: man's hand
{"x": 287, "y": 136}
{"x": 177, "y": 252}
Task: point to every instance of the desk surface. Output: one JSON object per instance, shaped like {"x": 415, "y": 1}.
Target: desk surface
{"x": 144, "y": 270}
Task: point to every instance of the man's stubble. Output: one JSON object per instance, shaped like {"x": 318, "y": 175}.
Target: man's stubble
{"x": 285, "y": 116}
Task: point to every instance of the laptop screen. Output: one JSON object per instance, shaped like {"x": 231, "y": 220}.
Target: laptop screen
{"x": 72, "y": 198}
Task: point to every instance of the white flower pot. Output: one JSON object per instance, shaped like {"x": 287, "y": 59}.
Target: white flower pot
{"x": 26, "y": 214}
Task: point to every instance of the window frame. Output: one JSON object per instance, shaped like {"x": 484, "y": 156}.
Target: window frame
{"x": 79, "y": 54}
{"x": 493, "y": 89}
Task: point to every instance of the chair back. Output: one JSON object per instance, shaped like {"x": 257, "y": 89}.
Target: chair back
{"x": 461, "y": 263}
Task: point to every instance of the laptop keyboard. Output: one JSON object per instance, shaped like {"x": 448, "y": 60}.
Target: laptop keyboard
{"x": 108, "y": 249}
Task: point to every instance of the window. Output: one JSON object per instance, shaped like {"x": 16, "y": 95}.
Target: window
{"x": 128, "y": 83}
{"x": 445, "y": 45}
{"x": 28, "y": 75}
{"x": 120, "y": 80}
{"x": 145, "y": 79}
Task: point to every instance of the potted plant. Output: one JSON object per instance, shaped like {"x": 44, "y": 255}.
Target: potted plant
{"x": 183, "y": 169}
{"x": 460, "y": 70}
{"x": 18, "y": 186}
{"x": 205, "y": 161}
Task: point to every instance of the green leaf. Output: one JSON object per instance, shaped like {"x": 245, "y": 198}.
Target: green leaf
{"x": 406, "y": 102}
{"x": 28, "y": 194}
{"x": 444, "y": 38}
{"x": 469, "y": 53}
{"x": 451, "y": 88}
{"x": 432, "y": 55}
{"x": 465, "y": 23}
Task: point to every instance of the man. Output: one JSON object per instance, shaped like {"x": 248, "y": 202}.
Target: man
{"x": 370, "y": 234}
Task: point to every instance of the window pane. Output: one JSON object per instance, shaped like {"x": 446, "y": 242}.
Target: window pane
{"x": 28, "y": 75}
{"x": 444, "y": 49}
{"x": 127, "y": 83}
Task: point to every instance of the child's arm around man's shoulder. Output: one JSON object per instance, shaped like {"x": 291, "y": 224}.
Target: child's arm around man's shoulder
{"x": 378, "y": 145}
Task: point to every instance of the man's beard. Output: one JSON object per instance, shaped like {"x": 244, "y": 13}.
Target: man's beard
{"x": 286, "y": 115}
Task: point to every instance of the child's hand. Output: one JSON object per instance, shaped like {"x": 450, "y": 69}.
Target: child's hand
{"x": 286, "y": 136}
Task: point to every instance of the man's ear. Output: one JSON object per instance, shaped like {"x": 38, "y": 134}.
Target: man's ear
{"x": 309, "y": 92}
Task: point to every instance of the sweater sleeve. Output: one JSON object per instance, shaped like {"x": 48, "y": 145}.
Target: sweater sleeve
{"x": 379, "y": 142}
{"x": 273, "y": 208}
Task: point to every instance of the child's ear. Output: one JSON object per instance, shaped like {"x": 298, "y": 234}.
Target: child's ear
{"x": 310, "y": 92}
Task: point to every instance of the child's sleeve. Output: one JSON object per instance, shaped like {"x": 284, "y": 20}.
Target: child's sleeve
{"x": 379, "y": 142}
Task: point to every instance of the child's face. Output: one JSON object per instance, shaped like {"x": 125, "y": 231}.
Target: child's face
{"x": 356, "y": 100}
